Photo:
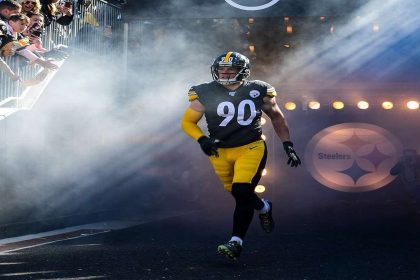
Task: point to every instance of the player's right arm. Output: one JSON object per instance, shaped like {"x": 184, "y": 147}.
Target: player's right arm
{"x": 189, "y": 124}
{"x": 191, "y": 117}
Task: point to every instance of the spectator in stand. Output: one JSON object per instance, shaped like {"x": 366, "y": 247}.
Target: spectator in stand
{"x": 7, "y": 8}
{"x": 34, "y": 31}
{"x": 61, "y": 12}
{"x": 4, "y": 67}
{"x": 36, "y": 18}
{"x": 17, "y": 24}
{"x": 30, "y": 6}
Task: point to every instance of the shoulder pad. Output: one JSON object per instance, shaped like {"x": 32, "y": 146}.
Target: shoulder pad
{"x": 192, "y": 94}
{"x": 271, "y": 91}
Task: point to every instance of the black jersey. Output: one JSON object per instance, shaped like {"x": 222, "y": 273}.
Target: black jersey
{"x": 234, "y": 117}
{"x": 3, "y": 28}
{"x": 4, "y": 36}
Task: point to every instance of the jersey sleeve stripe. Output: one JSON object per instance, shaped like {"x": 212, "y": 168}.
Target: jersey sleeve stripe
{"x": 271, "y": 92}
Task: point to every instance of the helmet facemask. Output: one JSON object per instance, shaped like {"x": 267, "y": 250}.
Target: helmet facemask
{"x": 239, "y": 77}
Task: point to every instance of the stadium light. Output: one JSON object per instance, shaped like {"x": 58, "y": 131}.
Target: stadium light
{"x": 363, "y": 105}
{"x": 338, "y": 105}
{"x": 412, "y": 105}
{"x": 314, "y": 105}
{"x": 290, "y": 106}
{"x": 387, "y": 105}
{"x": 259, "y": 189}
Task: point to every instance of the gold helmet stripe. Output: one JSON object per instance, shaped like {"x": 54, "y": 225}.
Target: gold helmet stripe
{"x": 227, "y": 57}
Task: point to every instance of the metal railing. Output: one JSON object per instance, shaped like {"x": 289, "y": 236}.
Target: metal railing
{"x": 96, "y": 28}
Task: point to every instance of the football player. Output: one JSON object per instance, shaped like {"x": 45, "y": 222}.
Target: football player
{"x": 233, "y": 106}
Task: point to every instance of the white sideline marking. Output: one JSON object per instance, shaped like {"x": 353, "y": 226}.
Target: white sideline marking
{"x": 33, "y": 240}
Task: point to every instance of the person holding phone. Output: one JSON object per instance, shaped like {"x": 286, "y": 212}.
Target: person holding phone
{"x": 17, "y": 24}
{"x": 34, "y": 31}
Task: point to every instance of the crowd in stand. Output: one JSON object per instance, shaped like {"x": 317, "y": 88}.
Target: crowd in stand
{"x": 21, "y": 26}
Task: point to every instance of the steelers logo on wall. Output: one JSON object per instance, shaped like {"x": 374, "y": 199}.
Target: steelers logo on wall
{"x": 254, "y": 6}
{"x": 352, "y": 157}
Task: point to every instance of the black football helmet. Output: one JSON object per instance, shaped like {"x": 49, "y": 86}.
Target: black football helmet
{"x": 231, "y": 59}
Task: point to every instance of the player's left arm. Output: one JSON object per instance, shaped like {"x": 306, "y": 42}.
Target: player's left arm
{"x": 281, "y": 128}
{"x": 273, "y": 111}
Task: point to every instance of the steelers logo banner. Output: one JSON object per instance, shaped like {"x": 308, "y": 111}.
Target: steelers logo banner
{"x": 352, "y": 157}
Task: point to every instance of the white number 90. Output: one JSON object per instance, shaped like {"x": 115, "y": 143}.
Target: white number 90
{"x": 229, "y": 115}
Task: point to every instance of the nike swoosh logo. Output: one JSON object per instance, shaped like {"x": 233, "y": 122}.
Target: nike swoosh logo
{"x": 251, "y": 148}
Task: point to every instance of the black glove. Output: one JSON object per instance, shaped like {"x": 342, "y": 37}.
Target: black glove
{"x": 294, "y": 160}
{"x": 209, "y": 145}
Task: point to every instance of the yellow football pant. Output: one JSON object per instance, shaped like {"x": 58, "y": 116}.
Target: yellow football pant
{"x": 242, "y": 164}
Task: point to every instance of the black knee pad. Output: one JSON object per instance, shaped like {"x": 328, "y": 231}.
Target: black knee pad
{"x": 242, "y": 191}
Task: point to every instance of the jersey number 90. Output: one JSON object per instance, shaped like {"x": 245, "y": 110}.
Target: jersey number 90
{"x": 229, "y": 114}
